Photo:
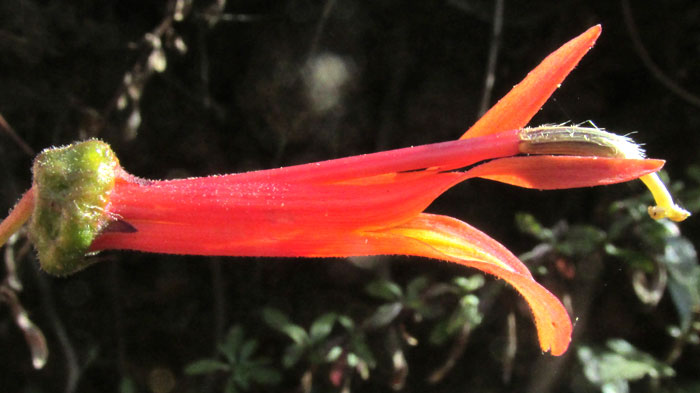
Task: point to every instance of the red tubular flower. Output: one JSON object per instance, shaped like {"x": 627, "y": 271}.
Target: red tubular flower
{"x": 372, "y": 204}
{"x": 364, "y": 205}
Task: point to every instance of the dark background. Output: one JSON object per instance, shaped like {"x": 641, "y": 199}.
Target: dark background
{"x": 241, "y": 97}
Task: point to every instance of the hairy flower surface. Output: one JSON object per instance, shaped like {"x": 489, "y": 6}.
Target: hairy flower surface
{"x": 82, "y": 201}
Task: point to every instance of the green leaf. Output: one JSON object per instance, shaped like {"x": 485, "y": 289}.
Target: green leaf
{"x": 385, "y": 290}
{"x": 384, "y": 315}
{"x": 467, "y": 312}
{"x": 247, "y": 349}
{"x": 362, "y": 369}
{"x": 233, "y": 339}
{"x": 439, "y": 333}
{"x": 527, "y": 223}
{"x": 127, "y": 385}
{"x": 322, "y": 327}
{"x": 581, "y": 240}
{"x": 681, "y": 260}
{"x": 612, "y": 367}
{"x": 292, "y": 355}
{"x": 346, "y": 322}
{"x": 274, "y": 317}
{"x": 619, "y": 386}
{"x": 334, "y": 353}
{"x": 636, "y": 259}
{"x": 415, "y": 287}
{"x": 278, "y": 321}
{"x": 358, "y": 346}
{"x": 296, "y": 333}
{"x": 265, "y": 376}
{"x": 206, "y": 366}
{"x": 469, "y": 284}
{"x": 352, "y": 360}
{"x": 241, "y": 377}
{"x": 620, "y": 226}
{"x": 230, "y": 386}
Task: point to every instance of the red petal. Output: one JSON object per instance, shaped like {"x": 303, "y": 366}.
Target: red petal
{"x": 443, "y": 156}
{"x": 446, "y": 238}
{"x": 517, "y": 107}
{"x": 557, "y": 172}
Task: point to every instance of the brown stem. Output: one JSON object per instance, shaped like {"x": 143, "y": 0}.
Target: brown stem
{"x": 456, "y": 352}
{"x": 32, "y": 333}
{"x": 7, "y": 128}
{"x": 649, "y": 63}
{"x": 494, "y": 46}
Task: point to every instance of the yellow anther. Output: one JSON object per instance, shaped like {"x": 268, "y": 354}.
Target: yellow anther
{"x": 665, "y": 207}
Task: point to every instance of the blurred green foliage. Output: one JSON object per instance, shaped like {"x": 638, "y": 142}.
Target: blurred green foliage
{"x": 659, "y": 259}
{"x": 244, "y": 369}
{"x": 613, "y": 367}
{"x": 341, "y": 344}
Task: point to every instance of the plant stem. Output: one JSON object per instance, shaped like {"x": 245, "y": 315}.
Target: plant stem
{"x": 17, "y": 217}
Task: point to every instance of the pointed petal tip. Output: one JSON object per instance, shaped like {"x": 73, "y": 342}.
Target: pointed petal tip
{"x": 591, "y": 35}
{"x": 595, "y": 30}
{"x": 516, "y": 108}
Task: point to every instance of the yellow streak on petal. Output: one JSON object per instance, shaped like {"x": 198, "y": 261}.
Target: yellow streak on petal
{"x": 451, "y": 246}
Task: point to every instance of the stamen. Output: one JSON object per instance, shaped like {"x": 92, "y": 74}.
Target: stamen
{"x": 577, "y": 141}
{"x": 593, "y": 141}
{"x": 665, "y": 207}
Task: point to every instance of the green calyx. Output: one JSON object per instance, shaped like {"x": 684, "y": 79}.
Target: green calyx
{"x": 72, "y": 185}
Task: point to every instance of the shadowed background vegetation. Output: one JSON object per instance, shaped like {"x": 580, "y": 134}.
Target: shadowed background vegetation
{"x": 190, "y": 88}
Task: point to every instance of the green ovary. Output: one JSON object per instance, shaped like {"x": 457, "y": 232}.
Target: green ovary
{"x": 72, "y": 186}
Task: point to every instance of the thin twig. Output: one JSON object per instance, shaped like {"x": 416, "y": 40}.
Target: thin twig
{"x": 656, "y": 72}
{"x": 325, "y": 15}
{"x": 511, "y": 348}
{"x": 115, "y": 285}
{"x": 7, "y": 128}
{"x": 143, "y": 69}
{"x": 11, "y": 277}
{"x": 9, "y": 288}
{"x": 493, "y": 56}
{"x": 73, "y": 369}
{"x": 32, "y": 334}
{"x": 680, "y": 342}
{"x": 456, "y": 352}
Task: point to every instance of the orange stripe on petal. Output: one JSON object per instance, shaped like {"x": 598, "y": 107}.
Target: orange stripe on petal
{"x": 449, "y": 239}
{"x": 517, "y": 107}
{"x": 558, "y": 172}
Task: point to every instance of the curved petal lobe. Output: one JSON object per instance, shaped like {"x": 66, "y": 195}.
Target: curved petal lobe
{"x": 449, "y": 239}
{"x": 559, "y": 172}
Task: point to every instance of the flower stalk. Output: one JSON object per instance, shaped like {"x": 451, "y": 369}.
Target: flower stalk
{"x": 82, "y": 201}
{"x": 17, "y": 217}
